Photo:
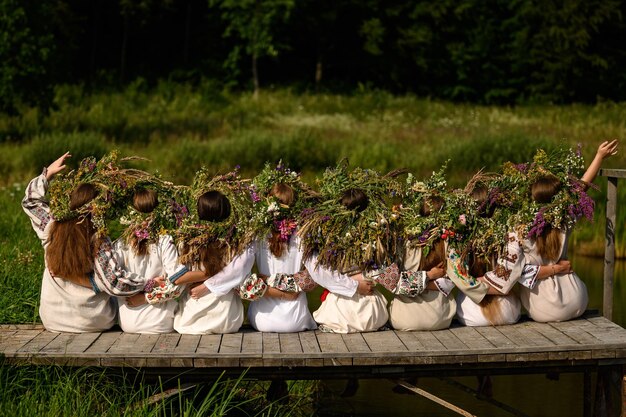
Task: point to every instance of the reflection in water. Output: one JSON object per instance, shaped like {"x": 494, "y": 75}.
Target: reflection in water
{"x": 535, "y": 395}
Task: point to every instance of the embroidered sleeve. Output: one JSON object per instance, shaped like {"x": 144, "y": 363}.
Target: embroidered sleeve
{"x": 36, "y": 205}
{"x": 457, "y": 271}
{"x": 333, "y": 281}
{"x": 412, "y": 283}
{"x": 110, "y": 277}
{"x": 233, "y": 274}
{"x": 388, "y": 277}
{"x": 529, "y": 276}
{"x": 509, "y": 268}
{"x": 252, "y": 288}
{"x": 304, "y": 280}
{"x": 445, "y": 285}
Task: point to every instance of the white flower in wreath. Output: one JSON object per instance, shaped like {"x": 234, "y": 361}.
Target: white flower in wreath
{"x": 273, "y": 207}
{"x": 124, "y": 220}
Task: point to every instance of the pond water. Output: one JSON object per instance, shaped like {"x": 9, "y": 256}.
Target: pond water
{"x": 535, "y": 395}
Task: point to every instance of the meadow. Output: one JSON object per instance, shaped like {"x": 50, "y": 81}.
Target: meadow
{"x": 178, "y": 128}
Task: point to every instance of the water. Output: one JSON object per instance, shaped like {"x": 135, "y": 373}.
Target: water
{"x": 535, "y": 395}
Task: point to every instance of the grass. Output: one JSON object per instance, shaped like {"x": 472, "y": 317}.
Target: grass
{"x": 55, "y": 391}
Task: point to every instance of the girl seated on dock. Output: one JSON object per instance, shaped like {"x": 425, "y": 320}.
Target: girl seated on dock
{"x": 559, "y": 200}
{"x": 82, "y": 271}
{"x": 214, "y": 242}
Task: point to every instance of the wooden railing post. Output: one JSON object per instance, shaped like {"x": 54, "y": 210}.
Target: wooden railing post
{"x": 609, "y": 250}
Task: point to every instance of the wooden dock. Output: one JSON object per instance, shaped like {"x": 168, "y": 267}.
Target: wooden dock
{"x": 588, "y": 345}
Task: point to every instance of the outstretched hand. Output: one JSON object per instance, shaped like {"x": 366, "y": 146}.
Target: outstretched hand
{"x": 57, "y": 166}
{"x": 607, "y": 149}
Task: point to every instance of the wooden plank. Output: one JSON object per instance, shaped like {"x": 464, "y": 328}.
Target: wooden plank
{"x": 429, "y": 341}
{"x": 309, "y": 344}
{"x": 355, "y": 342}
{"x": 230, "y": 350}
{"x": 449, "y": 340}
{"x": 495, "y": 337}
{"x": 271, "y": 343}
{"x": 410, "y": 341}
{"x": 38, "y": 342}
{"x": 125, "y": 343}
{"x": 513, "y": 334}
{"x": 290, "y": 343}
{"x": 185, "y": 350}
{"x": 166, "y": 343}
{"x": 602, "y": 330}
{"x": 334, "y": 349}
{"x": 612, "y": 172}
{"x": 527, "y": 357}
{"x": 70, "y": 343}
{"x": 144, "y": 346}
{"x": 252, "y": 344}
{"x": 17, "y": 340}
{"x": 209, "y": 343}
{"x": 102, "y": 345}
{"x": 471, "y": 338}
{"x": 385, "y": 341}
{"x": 536, "y": 338}
{"x": 554, "y": 335}
{"x": 573, "y": 330}
{"x": 291, "y": 350}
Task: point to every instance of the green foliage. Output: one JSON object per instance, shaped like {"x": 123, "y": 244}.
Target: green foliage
{"x": 26, "y": 47}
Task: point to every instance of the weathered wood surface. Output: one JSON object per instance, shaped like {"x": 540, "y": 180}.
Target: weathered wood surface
{"x": 588, "y": 339}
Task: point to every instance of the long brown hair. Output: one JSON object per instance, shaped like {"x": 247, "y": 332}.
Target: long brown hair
{"x": 144, "y": 201}
{"x": 437, "y": 252}
{"x": 286, "y": 195}
{"x": 549, "y": 241}
{"x": 213, "y": 206}
{"x": 490, "y": 304}
{"x": 71, "y": 243}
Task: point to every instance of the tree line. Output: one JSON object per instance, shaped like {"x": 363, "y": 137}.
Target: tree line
{"x": 484, "y": 51}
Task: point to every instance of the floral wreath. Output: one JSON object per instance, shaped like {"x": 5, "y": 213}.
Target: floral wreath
{"x": 566, "y": 207}
{"x": 451, "y": 223}
{"x": 343, "y": 239}
{"x": 233, "y": 231}
{"x": 268, "y": 213}
{"x": 113, "y": 182}
{"x": 164, "y": 219}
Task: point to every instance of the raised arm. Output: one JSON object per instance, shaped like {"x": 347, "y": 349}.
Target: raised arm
{"x": 605, "y": 150}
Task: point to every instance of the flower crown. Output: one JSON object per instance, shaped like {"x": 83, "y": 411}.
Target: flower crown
{"x": 233, "y": 231}
{"x": 449, "y": 222}
{"x": 166, "y": 217}
{"x": 269, "y": 214}
{"x": 344, "y": 239}
{"x": 113, "y": 182}
{"x": 566, "y": 207}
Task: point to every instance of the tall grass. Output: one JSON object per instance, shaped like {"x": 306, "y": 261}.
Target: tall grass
{"x": 56, "y": 391}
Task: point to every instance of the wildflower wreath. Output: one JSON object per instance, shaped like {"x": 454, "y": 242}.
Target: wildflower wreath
{"x": 452, "y": 222}
{"x": 268, "y": 213}
{"x": 569, "y": 204}
{"x": 233, "y": 231}
{"x": 166, "y": 218}
{"x": 113, "y": 182}
{"x": 346, "y": 240}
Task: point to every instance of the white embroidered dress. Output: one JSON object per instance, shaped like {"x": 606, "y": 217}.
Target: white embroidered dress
{"x": 510, "y": 269}
{"x": 557, "y": 298}
{"x": 345, "y": 310}
{"x": 271, "y": 314}
{"x": 221, "y": 310}
{"x": 161, "y": 260}
{"x": 65, "y": 306}
{"x": 430, "y": 310}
